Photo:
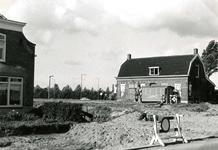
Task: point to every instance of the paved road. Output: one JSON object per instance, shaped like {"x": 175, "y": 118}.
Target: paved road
{"x": 198, "y": 144}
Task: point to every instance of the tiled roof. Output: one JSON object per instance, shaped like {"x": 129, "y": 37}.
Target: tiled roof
{"x": 169, "y": 65}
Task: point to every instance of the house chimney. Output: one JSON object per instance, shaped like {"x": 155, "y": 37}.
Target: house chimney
{"x": 128, "y": 56}
{"x": 195, "y": 51}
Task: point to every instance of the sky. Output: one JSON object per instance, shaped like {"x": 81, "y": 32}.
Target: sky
{"x": 88, "y": 40}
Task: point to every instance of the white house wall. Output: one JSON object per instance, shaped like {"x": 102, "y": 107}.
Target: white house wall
{"x": 152, "y": 88}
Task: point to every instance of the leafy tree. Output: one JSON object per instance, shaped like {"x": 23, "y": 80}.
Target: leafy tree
{"x": 93, "y": 94}
{"x": 77, "y": 92}
{"x": 37, "y": 91}
{"x": 210, "y": 58}
{"x": 40, "y": 92}
{"x": 85, "y": 92}
{"x": 44, "y": 93}
{"x": 55, "y": 91}
{"x": 67, "y": 92}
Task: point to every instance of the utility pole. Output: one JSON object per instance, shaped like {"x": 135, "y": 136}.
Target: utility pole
{"x": 98, "y": 87}
{"x": 54, "y": 88}
{"x": 81, "y": 84}
{"x": 49, "y": 80}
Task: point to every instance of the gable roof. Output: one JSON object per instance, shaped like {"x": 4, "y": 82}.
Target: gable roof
{"x": 2, "y": 17}
{"x": 169, "y": 65}
{"x": 10, "y": 24}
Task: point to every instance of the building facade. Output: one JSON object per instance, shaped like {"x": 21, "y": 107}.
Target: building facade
{"x": 17, "y": 58}
{"x": 184, "y": 73}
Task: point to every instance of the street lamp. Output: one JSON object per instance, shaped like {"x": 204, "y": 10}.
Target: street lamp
{"x": 98, "y": 87}
{"x": 81, "y": 84}
{"x": 54, "y": 88}
{"x": 49, "y": 80}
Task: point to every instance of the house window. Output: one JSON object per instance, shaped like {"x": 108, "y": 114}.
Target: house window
{"x": 197, "y": 71}
{"x": 2, "y": 47}
{"x": 11, "y": 91}
{"x": 154, "y": 70}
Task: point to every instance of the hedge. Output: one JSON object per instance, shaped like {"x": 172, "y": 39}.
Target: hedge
{"x": 62, "y": 111}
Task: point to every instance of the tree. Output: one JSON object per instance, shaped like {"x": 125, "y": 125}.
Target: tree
{"x": 55, "y": 92}
{"x": 67, "y": 92}
{"x": 40, "y": 92}
{"x": 210, "y": 58}
{"x": 37, "y": 91}
{"x": 77, "y": 92}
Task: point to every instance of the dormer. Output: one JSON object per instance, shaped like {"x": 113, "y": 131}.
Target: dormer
{"x": 154, "y": 71}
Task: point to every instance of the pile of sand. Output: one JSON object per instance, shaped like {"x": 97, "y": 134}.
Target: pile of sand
{"x": 125, "y": 131}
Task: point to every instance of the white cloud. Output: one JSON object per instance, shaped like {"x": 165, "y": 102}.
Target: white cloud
{"x": 72, "y": 62}
{"x": 186, "y": 18}
{"x": 94, "y": 36}
{"x": 60, "y": 11}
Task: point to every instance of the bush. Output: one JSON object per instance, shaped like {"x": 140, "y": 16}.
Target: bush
{"x": 36, "y": 112}
{"x": 102, "y": 113}
{"x": 12, "y": 116}
{"x": 62, "y": 111}
{"x": 34, "y": 127}
{"x": 30, "y": 117}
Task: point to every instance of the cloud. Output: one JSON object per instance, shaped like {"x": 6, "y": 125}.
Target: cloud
{"x": 5, "y": 5}
{"x": 46, "y": 18}
{"x": 79, "y": 24}
{"x": 212, "y": 6}
{"x": 72, "y": 62}
{"x": 105, "y": 55}
{"x": 192, "y": 21}
{"x": 183, "y": 17}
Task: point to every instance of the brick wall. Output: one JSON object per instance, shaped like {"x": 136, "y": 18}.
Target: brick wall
{"x": 20, "y": 53}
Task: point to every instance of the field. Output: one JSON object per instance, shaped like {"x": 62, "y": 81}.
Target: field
{"x": 124, "y": 130}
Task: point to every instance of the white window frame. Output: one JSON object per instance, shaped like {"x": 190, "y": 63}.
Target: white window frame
{"x": 4, "y": 47}
{"x": 152, "y": 71}
{"x": 9, "y": 82}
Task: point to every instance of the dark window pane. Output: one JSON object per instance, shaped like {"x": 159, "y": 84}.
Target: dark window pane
{"x": 3, "y": 79}
{"x": 16, "y": 80}
{"x": 156, "y": 70}
{"x": 15, "y": 94}
{"x": 2, "y": 37}
{"x": 3, "y": 93}
{"x": 1, "y": 53}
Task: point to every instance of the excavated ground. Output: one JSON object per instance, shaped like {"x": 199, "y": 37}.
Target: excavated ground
{"x": 124, "y": 130}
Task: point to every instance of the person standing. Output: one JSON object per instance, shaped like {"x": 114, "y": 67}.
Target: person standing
{"x": 139, "y": 93}
{"x": 136, "y": 95}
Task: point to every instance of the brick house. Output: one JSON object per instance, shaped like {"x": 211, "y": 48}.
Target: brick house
{"x": 184, "y": 73}
{"x": 17, "y": 58}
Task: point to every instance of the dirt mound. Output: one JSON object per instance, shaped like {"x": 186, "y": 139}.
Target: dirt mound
{"x": 120, "y": 132}
{"x": 125, "y": 130}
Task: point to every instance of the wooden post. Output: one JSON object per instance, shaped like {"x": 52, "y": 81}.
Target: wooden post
{"x": 156, "y": 137}
{"x": 179, "y": 132}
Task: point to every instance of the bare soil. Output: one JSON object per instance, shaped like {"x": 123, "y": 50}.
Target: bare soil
{"x": 124, "y": 130}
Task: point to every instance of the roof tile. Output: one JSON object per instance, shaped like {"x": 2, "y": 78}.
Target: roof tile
{"x": 169, "y": 65}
